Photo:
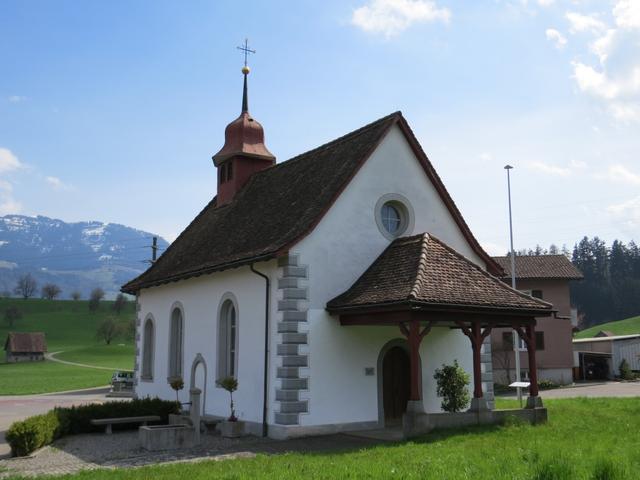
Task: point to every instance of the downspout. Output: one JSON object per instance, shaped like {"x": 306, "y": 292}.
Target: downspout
{"x": 266, "y": 350}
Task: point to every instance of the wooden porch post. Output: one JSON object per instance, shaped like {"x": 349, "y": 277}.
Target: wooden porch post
{"x": 477, "y": 336}
{"x": 414, "y": 338}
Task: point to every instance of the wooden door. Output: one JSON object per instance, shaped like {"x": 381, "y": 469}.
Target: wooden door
{"x": 395, "y": 383}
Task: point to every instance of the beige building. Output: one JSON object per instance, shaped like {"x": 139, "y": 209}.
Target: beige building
{"x": 546, "y": 277}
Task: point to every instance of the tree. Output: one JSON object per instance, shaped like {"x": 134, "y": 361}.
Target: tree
{"x": 11, "y": 314}
{"x": 76, "y": 295}
{"x": 452, "y": 383}
{"x": 230, "y": 384}
{"x": 50, "y": 291}
{"x": 26, "y": 286}
{"x": 107, "y": 330}
{"x": 120, "y": 303}
{"x": 97, "y": 294}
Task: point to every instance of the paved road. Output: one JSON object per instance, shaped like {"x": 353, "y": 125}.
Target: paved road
{"x": 18, "y": 407}
{"x": 606, "y": 389}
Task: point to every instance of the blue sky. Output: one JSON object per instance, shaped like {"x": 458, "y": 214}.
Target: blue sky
{"x": 111, "y": 110}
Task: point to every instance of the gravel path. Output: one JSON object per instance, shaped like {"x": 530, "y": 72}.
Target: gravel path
{"x": 52, "y": 356}
{"x": 122, "y": 450}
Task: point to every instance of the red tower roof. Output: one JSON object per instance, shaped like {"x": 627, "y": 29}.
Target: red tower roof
{"x": 244, "y": 136}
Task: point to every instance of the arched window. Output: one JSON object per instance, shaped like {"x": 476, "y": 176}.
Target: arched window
{"x": 147, "y": 350}
{"x": 175, "y": 343}
{"x": 228, "y": 340}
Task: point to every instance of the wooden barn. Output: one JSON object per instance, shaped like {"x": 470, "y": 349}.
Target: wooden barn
{"x": 25, "y": 347}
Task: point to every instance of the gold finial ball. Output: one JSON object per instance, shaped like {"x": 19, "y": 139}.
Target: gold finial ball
{"x": 245, "y": 70}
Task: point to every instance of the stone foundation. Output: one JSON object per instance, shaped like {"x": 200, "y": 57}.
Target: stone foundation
{"x": 419, "y": 424}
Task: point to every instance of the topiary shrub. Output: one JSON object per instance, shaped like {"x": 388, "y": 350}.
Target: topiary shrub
{"x": 34, "y": 432}
{"x": 28, "y": 435}
{"x": 452, "y": 383}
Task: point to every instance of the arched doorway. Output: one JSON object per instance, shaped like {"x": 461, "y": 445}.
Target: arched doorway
{"x": 395, "y": 384}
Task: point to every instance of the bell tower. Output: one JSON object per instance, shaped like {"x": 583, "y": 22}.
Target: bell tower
{"x": 244, "y": 151}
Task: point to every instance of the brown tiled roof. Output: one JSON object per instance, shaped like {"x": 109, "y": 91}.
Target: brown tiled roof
{"x": 540, "y": 266}
{"x": 422, "y": 270}
{"x": 279, "y": 206}
{"x": 25, "y": 342}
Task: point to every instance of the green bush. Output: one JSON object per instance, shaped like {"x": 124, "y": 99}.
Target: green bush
{"x": 547, "y": 385}
{"x": 452, "y": 383}
{"x": 34, "y": 432}
{"x": 607, "y": 469}
{"x": 28, "y": 435}
{"x": 625, "y": 371}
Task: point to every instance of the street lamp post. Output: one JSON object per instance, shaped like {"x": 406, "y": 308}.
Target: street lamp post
{"x": 516, "y": 337}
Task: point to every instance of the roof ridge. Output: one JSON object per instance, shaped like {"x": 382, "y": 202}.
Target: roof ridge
{"x": 487, "y": 274}
{"x": 335, "y": 141}
{"x": 422, "y": 265}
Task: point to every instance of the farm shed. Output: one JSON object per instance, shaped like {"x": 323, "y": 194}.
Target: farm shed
{"x": 25, "y": 347}
{"x": 599, "y": 358}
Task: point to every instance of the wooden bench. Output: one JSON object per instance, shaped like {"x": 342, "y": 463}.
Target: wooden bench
{"x": 110, "y": 421}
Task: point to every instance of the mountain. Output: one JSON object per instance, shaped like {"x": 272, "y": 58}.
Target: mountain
{"x": 75, "y": 256}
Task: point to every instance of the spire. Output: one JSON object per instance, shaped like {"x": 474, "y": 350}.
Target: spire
{"x": 245, "y": 98}
{"x": 244, "y": 151}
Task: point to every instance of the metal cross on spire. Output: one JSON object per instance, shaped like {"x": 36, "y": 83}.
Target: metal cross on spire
{"x": 245, "y": 48}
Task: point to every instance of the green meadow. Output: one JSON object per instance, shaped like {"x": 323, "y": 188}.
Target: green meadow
{"x": 627, "y": 326}
{"x": 584, "y": 439}
{"x": 70, "y": 328}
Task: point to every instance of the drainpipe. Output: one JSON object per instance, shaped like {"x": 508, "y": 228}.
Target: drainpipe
{"x": 266, "y": 350}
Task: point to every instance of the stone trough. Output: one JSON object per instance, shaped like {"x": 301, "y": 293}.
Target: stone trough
{"x": 177, "y": 434}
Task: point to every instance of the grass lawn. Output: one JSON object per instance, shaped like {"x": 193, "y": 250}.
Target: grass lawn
{"x": 582, "y": 436}
{"x": 70, "y": 327}
{"x": 621, "y": 327}
{"x": 47, "y": 376}
{"x": 116, "y": 356}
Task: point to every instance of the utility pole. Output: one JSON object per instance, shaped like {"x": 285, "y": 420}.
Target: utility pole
{"x": 154, "y": 250}
{"x": 516, "y": 337}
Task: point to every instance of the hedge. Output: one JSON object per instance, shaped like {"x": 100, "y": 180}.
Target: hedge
{"x": 28, "y": 435}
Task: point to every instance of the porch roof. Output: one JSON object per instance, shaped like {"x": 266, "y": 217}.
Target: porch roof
{"x": 423, "y": 273}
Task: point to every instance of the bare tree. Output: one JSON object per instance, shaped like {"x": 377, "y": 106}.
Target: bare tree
{"x": 97, "y": 294}
{"x": 120, "y": 303}
{"x": 50, "y": 291}
{"x": 26, "y": 286}
{"x": 11, "y": 314}
{"x": 107, "y": 330}
{"x": 76, "y": 295}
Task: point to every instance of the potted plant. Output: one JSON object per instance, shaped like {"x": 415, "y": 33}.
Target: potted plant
{"x": 177, "y": 384}
{"x": 231, "y": 427}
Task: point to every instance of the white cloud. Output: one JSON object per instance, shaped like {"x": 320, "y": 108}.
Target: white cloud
{"x": 627, "y": 13}
{"x": 627, "y": 212}
{"x": 8, "y": 204}
{"x": 578, "y": 164}
{"x": 621, "y": 174}
{"x": 556, "y": 37}
{"x": 391, "y": 17}
{"x": 8, "y": 161}
{"x": 545, "y": 3}
{"x": 549, "y": 169}
{"x": 16, "y": 98}
{"x": 584, "y": 23}
{"x": 486, "y": 156}
{"x": 57, "y": 184}
{"x": 494, "y": 249}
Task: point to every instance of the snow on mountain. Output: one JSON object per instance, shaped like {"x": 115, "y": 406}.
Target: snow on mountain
{"x": 76, "y": 256}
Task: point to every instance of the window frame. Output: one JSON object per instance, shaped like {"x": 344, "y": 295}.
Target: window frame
{"x": 176, "y": 347}
{"x": 403, "y": 208}
{"x": 227, "y": 355}
{"x": 148, "y": 349}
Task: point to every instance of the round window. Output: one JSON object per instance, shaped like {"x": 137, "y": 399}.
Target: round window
{"x": 391, "y": 218}
{"x": 394, "y": 215}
